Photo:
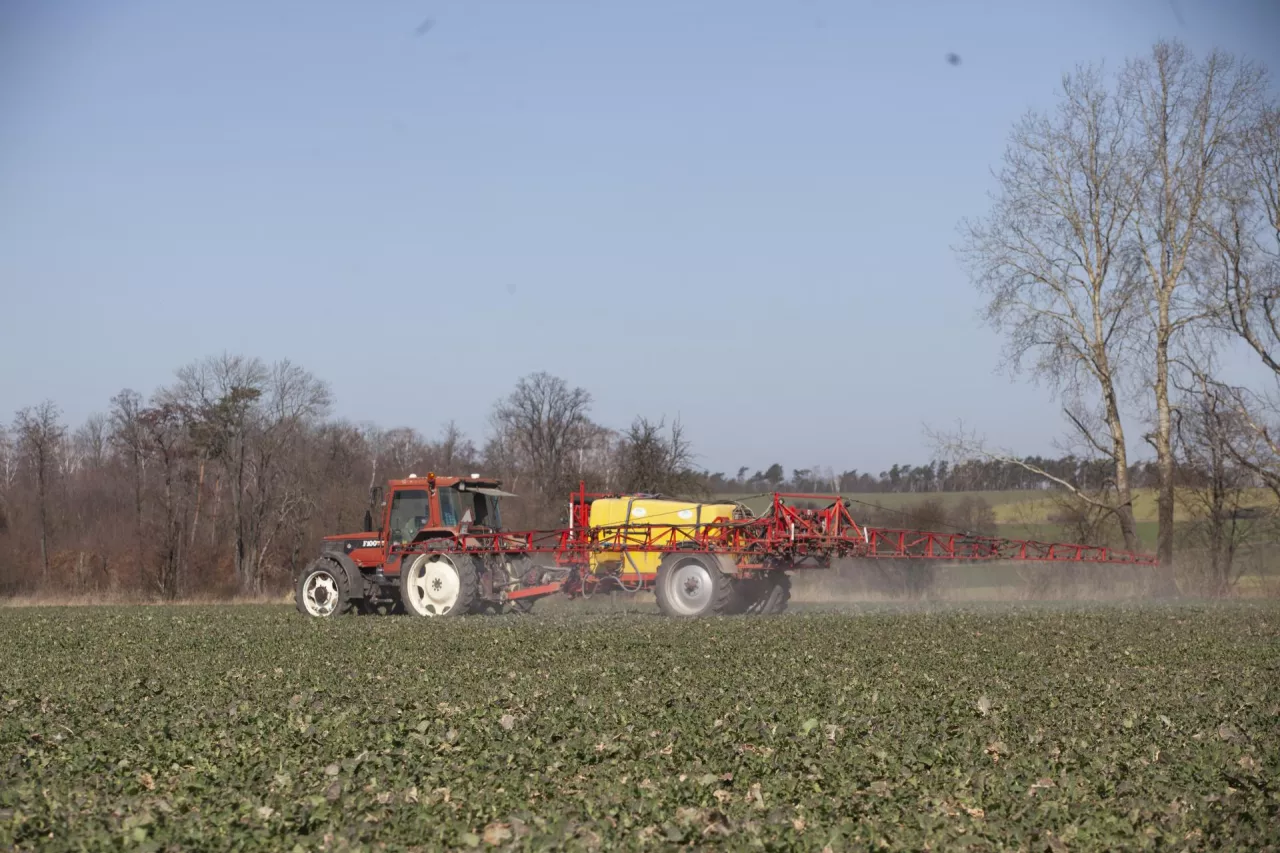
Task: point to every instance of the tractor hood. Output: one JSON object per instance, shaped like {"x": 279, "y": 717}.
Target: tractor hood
{"x": 343, "y": 537}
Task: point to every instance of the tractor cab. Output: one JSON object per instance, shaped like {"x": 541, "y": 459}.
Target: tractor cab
{"x": 418, "y": 508}
{"x": 454, "y": 505}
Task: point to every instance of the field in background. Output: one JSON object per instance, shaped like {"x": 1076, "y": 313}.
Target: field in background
{"x": 994, "y": 727}
{"x": 898, "y": 500}
{"x": 1020, "y": 506}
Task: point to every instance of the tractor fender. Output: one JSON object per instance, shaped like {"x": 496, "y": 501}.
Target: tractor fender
{"x": 355, "y": 580}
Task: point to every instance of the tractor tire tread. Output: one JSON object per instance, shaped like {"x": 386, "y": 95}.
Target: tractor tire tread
{"x": 722, "y": 593}
{"x": 346, "y": 604}
{"x": 468, "y": 587}
{"x": 779, "y": 594}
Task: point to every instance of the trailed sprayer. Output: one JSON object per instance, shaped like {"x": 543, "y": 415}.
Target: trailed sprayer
{"x": 440, "y": 549}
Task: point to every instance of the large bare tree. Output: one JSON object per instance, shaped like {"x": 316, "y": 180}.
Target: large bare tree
{"x": 1246, "y": 248}
{"x": 167, "y": 443}
{"x": 1194, "y": 117}
{"x": 454, "y": 449}
{"x": 39, "y": 433}
{"x": 1050, "y": 259}
{"x": 540, "y": 426}
{"x": 1097, "y": 255}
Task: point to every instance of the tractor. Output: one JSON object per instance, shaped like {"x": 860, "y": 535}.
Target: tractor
{"x": 441, "y": 550}
{"x": 393, "y": 566}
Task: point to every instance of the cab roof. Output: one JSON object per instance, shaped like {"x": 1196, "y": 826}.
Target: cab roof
{"x": 420, "y": 482}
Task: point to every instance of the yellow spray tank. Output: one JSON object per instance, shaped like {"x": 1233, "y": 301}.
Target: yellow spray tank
{"x": 620, "y": 523}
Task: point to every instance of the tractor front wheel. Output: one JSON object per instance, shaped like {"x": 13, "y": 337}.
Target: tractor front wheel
{"x": 440, "y": 585}
{"x": 691, "y": 585}
{"x": 322, "y": 591}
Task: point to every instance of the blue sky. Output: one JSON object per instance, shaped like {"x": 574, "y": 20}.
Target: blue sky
{"x": 740, "y": 213}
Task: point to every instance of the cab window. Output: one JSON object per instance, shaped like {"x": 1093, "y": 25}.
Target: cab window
{"x": 487, "y": 512}
{"x": 410, "y": 510}
{"x": 457, "y": 508}
{"x": 450, "y": 507}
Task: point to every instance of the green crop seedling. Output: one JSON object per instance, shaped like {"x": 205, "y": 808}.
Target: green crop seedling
{"x": 245, "y": 728}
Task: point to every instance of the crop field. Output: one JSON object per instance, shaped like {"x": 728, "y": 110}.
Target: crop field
{"x": 982, "y": 728}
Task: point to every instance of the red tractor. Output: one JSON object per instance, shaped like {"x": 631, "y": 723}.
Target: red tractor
{"x": 371, "y": 571}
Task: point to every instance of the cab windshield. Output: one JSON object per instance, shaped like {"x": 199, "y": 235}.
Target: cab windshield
{"x": 473, "y": 508}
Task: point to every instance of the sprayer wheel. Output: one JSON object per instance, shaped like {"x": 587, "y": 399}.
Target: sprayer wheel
{"x": 778, "y": 593}
{"x": 748, "y": 594}
{"x": 766, "y": 594}
{"x": 691, "y": 585}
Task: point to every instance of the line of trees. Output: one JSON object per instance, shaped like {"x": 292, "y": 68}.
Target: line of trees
{"x": 223, "y": 481}
{"x": 1133, "y": 237}
{"x": 939, "y": 475}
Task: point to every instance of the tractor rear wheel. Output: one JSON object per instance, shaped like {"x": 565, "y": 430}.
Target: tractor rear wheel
{"x": 691, "y": 585}
{"x": 440, "y": 585}
{"x": 322, "y": 590}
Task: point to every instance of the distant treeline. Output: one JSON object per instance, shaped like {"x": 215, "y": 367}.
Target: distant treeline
{"x": 934, "y": 476}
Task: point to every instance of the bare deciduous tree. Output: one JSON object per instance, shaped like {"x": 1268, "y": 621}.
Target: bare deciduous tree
{"x": 544, "y": 422}
{"x": 247, "y": 416}
{"x": 129, "y": 439}
{"x": 1215, "y": 492}
{"x": 1097, "y": 255}
{"x": 1245, "y": 242}
{"x": 653, "y": 462}
{"x": 1050, "y": 259}
{"x": 92, "y": 440}
{"x": 1193, "y": 118}
{"x": 8, "y": 472}
{"x": 455, "y": 448}
{"x": 39, "y": 434}
{"x": 164, "y": 432}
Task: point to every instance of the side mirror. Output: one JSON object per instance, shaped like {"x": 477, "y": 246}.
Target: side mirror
{"x": 368, "y": 521}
